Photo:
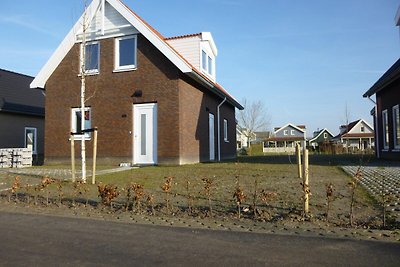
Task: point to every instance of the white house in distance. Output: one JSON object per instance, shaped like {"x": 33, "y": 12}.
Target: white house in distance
{"x": 356, "y": 135}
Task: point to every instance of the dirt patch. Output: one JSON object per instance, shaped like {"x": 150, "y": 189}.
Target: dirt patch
{"x": 189, "y": 205}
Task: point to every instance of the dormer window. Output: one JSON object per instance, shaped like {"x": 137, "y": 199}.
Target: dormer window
{"x": 92, "y": 58}
{"x": 207, "y": 63}
{"x": 125, "y": 53}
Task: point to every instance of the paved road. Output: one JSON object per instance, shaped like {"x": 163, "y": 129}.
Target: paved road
{"x": 35, "y": 240}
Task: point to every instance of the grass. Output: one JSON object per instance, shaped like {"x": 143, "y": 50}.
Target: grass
{"x": 275, "y": 173}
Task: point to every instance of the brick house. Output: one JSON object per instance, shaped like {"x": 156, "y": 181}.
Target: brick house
{"x": 154, "y": 100}
{"x": 21, "y": 114}
{"x": 386, "y": 113}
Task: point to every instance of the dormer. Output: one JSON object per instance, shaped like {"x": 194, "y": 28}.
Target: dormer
{"x": 199, "y": 49}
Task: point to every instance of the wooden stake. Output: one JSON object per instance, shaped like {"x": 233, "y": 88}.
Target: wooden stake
{"x": 73, "y": 157}
{"x": 94, "y": 156}
{"x": 298, "y": 155}
{"x": 305, "y": 182}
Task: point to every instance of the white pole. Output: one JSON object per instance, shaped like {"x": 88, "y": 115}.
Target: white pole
{"x": 83, "y": 88}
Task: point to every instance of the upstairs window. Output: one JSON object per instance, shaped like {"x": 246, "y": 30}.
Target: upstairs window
{"x": 385, "y": 129}
{"x": 76, "y": 120}
{"x": 125, "y": 53}
{"x": 285, "y": 132}
{"x": 325, "y": 135}
{"x": 362, "y": 129}
{"x": 396, "y": 127}
{"x": 207, "y": 63}
{"x": 291, "y": 132}
{"x": 92, "y": 58}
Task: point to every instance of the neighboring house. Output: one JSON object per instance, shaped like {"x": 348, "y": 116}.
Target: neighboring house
{"x": 21, "y": 113}
{"x": 356, "y": 135}
{"x": 320, "y": 137}
{"x": 387, "y": 110}
{"x": 154, "y": 100}
{"x": 260, "y": 137}
{"x": 285, "y": 139}
{"x": 387, "y": 113}
{"x": 242, "y": 137}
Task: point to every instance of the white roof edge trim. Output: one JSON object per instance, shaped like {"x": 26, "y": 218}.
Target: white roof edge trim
{"x": 290, "y": 124}
{"x": 207, "y": 36}
{"x": 323, "y": 130}
{"x": 59, "y": 54}
{"x": 159, "y": 43}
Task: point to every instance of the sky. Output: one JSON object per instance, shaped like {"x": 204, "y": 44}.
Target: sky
{"x": 306, "y": 60}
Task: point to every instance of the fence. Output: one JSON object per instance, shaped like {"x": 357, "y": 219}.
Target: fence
{"x": 279, "y": 149}
{"x": 15, "y": 157}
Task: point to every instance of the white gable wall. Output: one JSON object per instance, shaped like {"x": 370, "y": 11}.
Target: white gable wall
{"x": 357, "y": 128}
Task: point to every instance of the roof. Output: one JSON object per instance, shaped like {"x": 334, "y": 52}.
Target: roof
{"x": 392, "y": 74}
{"x": 16, "y": 95}
{"x": 156, "y": 38}
{"x": 349, "y": 127}
{"x": 301, "y": 128}
{"x": 319, "y": 134}
{"x": 183, "y": 36}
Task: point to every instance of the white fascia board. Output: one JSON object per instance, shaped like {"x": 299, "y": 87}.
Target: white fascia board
{"x": 206, "y": 36}
{"x": 289, "y": 124}
{"x": 69, "y": 41}
{"x": 62, "y": 50}
{"x": 159, "y": 43}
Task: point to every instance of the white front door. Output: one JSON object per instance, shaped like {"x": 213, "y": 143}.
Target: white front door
{"x": 211, "y": 135}
{"x": 145, "y": 133}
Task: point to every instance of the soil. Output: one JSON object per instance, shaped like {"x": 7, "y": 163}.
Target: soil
{"x": 282, "y": 214}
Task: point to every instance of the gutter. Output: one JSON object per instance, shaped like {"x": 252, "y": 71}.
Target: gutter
{"x": 376, "y": 141}
{"x": 219, "y": 129}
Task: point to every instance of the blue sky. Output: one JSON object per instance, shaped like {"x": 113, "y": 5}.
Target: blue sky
{"x": 306, "y": 59}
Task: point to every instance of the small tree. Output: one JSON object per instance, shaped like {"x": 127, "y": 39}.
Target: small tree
{"x": 329, "y": 198}
{"x": 353, "y": 186}
{"x": 208, "y": 187}
{"x": 252, "y": 118}
{"x": 239, "y": 197}
{"x": 166, "y": 187}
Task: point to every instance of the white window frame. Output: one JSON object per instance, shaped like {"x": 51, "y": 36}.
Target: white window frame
{"x": 93, "y": 71}
{"x": 117, "y": 66}
{"x": 34, "y": 147}
{"x": 285, "y": 132}
{"x": 325, "y": 135}
{"x": 385, "y": 129}
{"x": 226, "y": 130}
{"x": 73, "y": 123}
{"x": 205, "y": 63}
{"x": 291, "y": 132}
{"x": 396, "y": 126}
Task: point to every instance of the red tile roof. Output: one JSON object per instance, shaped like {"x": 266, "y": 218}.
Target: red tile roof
{"x": 183, "y": 36}
{"x": 219, "y": 87}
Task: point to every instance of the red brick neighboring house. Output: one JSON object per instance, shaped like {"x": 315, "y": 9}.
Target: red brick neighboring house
{"x": 155, "y": 100}
{"x": 386, "y": 113}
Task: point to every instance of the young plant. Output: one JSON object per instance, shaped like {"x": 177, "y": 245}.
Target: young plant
{"x": 60, "y": 192}
{"x": 150, "y": 201}
{"x": 267, "y": 196}
{"x": 239, "y": 197}
{"x": 138, "y": 194}
{"x": 353, "y": 186}
{"x": 255, "y": 196}
{"x": 208, "y": 187}
{"x": 166, "y": 187}
{"x": 189, "y": 197}
{"x": 28, "y": 188}
{"x": 329, "y": 198}
{"x": 14, "y": 188}
{"x": 107, "y": 193}
{"x": 46, "y": 181}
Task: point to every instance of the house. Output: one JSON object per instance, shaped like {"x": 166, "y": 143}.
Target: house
{"x": 284, "y": 139}
{"x": 386, "y": 112}
{"x": 154, "y": 100}
{"x": 261, "y": 136}
{"x": 21, "y": 113}
{"x": 356, "y": 135}
{"x": 242, "y": 139}
{"x": 319, "y": 138}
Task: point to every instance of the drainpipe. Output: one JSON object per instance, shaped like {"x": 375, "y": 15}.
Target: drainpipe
{"x": 376, "y": 141}
{"x": 219, "y": 129}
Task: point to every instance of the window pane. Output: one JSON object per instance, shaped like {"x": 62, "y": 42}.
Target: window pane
{"x": 204, "y": 60}
{"x": 210, "y": 66}
{"x": 78, "y": 121}
{"x": 396, "y": 126}
{"x": 127, "y": 52}
{"x": 385, "y": 129}
{"x": 143, "y": 134}
{"x": 92, "y": 57}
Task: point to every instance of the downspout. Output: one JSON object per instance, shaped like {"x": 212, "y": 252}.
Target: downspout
{"x": 376, "y": 141}
{"x": 219, "y": 129}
